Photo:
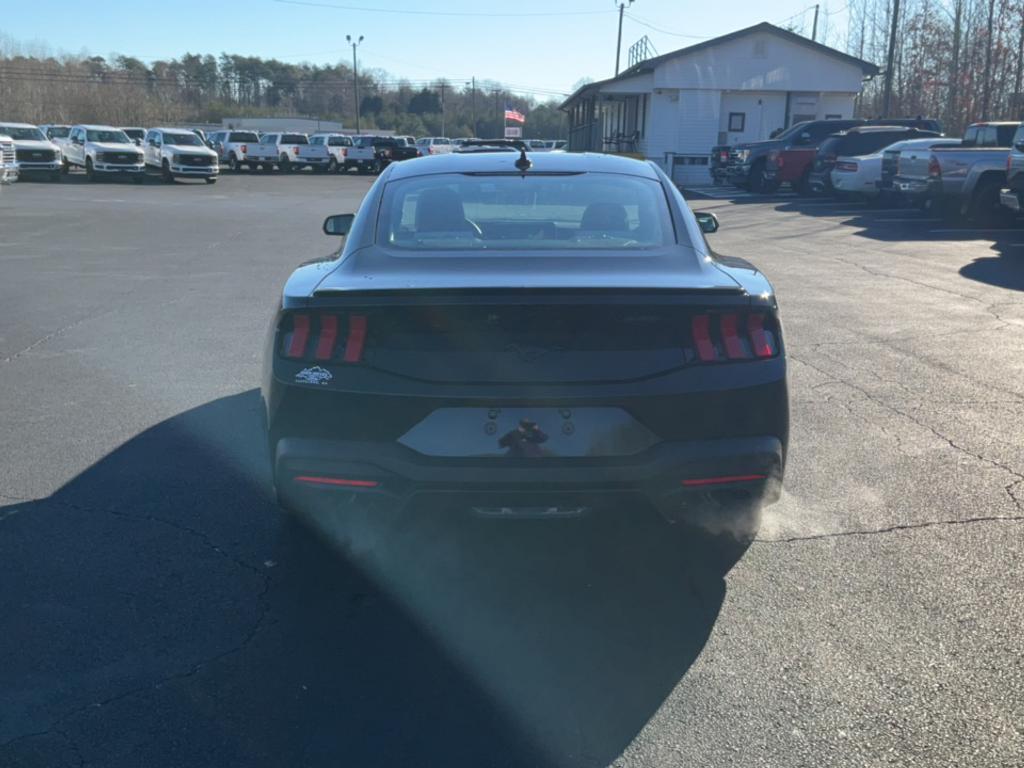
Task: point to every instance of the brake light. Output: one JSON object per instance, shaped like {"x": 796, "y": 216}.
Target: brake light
{"x": 780, "y": 160}
{"x": 934, "y": 169}
{"x": 295, "y": 150}
{"x": 723, "y": 157}
{"x": 729, "y": 336}
{"x": 338, "y": 481}
{"x": 245, "y": 149}
{"x": 847, "y": 167}
{"x": 325, "y": 330}
{"x": 1009, "y": 163}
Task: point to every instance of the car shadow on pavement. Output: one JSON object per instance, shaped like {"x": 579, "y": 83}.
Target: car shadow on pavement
{"x": 160, "y": 610}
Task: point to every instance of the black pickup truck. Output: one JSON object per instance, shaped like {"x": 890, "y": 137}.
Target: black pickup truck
{"x": 393, "y": 149}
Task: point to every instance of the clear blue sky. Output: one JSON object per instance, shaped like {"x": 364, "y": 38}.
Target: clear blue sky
{"x": 542, "y": 52}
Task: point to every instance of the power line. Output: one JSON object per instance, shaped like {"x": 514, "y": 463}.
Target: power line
{"x": 647, "y": 24}
{"x": 476, "y": 14}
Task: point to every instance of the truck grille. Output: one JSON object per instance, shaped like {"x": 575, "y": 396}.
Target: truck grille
{"x": 122, "y": 158}
{"x": 35, "y": 155}
{"x": 7, "y": 153}
{"x": 198, "y": 160}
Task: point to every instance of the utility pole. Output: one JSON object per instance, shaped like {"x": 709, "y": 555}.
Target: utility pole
{"x": 473, "y": 102}
{"x": 441, "y": 87}
{"x": 814, "y": 29}
{"x": 986, "y": 93}
{"x": 618, "y": 48}
{"x": 355, "y": 74}
{"x": 952, "y": 118}
{"x": 890, "y": 59}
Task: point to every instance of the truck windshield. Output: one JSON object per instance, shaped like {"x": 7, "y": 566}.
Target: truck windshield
{"x": 109, "y": 136}
{"x": 294, "y": 138}
{"x": 22, "y": 133}
{"x": 184, "y": 139}
{"x": 584, "y": 211}
{"x": 58, "y": 131}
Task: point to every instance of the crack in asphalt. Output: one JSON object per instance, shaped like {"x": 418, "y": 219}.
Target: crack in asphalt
{"x": 893, "y": 528}
{"x": 948, "y": 440}
{"x": 261, "y": 597}
{"x": 57, "y": 333}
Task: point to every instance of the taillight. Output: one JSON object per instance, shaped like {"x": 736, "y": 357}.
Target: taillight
{"x": 729, "y": 336}
{"x": 723, "y": 157}
{"x": 934, "y": 169}
{"x": 324, "y": 337}
{"x": 245, "y": 149}
{"x": 780, "y": 160}
{"x": 344, "y": 152}
{"x": 295, "y": 150}
{"x": 847, "y": 167}
{"x": 1009, "y": 164}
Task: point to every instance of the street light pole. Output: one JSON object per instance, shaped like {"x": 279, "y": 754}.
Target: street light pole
{"x": 355, "y": 75}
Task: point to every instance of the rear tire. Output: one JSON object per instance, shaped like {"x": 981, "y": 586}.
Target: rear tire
{"x": 984, "y": 208}
{"x": 211, "y": 180}
{"x": 233, "y": 163}
{"x": 332, "y": 166}
{"x": 285, "y": 165}
{"x": 90, "y": 172}
{"x": 165, "y": 173}
{"x": 65, "y": 166}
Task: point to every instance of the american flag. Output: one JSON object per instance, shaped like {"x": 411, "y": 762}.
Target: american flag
{"x": 514, "y": 115}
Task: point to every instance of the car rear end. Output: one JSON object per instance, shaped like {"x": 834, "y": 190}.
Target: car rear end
{"x": 819, "y": 180}
{"x": 238, "y": 144}
{"x": 502, "y": 381}
{"x": 719, "y": 163}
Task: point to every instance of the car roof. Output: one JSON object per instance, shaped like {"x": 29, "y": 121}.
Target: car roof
{"x": 19, "y": 125}
{"x": 93, "y": 127}
{"x": 995, "y": 122}
{"x": 504, "y": 162}
{"x": 172, "y": 130}
{"x": 882, "y": 128}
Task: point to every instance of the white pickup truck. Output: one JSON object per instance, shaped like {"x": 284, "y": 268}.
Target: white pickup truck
{"x": 232, "y": 147}
{"x": 179, "y": 153}
{"x": 103, "y": 149}
{"x": 289, "y": 152}
{"x": 338, "y": 144}
{"x": 35, "y": 153}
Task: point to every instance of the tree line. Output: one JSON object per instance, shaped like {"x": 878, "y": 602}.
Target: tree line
{"x": 957, "y": 60}
{"x": 39, "y": 87}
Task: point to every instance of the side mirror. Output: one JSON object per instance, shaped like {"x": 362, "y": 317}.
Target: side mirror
{"x": 338, "y": 224}
{"x": 708, "y": 221}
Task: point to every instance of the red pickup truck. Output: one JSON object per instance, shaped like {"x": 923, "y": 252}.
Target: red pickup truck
{"x": 793, "y": 162}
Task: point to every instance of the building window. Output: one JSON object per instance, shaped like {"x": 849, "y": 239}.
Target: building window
{"x": 833, "y": 117}
{"x": 737, "y": 122}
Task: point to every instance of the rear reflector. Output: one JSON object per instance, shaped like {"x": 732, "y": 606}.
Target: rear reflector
{"x": 724, "y": 479}
{"x": 356, "y": 338}
{"x": 847, "y": 167}
{"x": 300, "y": 336}
{"x": 336, "y": 481}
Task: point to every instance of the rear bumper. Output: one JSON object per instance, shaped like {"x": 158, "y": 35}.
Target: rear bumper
{"x": 668, "y": 475}
{"x": 911, "y": 189}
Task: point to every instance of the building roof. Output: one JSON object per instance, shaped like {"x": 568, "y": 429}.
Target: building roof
{"x": 648, "y": 65}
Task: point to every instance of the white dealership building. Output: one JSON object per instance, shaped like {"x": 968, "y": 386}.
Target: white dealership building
{"x": 739, "y": 87}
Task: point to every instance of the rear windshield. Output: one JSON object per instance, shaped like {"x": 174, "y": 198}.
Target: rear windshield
{"x": 508, "y": 212}
{"x": 339, "y": 141}
{"x": 243, "y": 136}
{"x": 366, "y": 141}
{"x": 867, "y": 143}
{"x": 294, "y": 138}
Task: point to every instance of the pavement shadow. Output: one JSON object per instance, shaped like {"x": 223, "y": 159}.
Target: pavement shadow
{"x": 1006, "y": 269}
{"x": 160, "y": 611}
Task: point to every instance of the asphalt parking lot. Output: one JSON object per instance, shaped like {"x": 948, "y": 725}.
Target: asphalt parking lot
{"x": 157, "y": 611}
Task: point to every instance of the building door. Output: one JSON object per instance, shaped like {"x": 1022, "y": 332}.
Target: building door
{"x": 750, "y": 116}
